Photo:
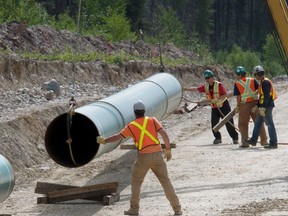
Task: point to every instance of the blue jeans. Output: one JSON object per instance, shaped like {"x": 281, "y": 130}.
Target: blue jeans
{"x": 268, "y": 118}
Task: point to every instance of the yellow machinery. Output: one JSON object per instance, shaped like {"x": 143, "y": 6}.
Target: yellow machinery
{"x": 279, "y": 13}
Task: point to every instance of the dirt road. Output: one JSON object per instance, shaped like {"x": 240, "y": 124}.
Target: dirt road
{"x": 209, "y": 179}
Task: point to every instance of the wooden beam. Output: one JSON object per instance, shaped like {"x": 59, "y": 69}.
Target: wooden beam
{"x": 230, "y": 115}
{"x": 60, "y": 193}
{"x": 190, "y": 107}
{"x": 111, "y": 199}
{"x": 132, "y": 146}
{"x": 44, "y": 187}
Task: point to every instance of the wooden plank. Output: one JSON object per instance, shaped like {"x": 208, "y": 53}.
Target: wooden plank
{"x": 82, "y": 192}
{"x": 54, "y": 198}
{"x": 44, "y": 187}
{"x": 190, "y": 107}
{"x": 230, "y": 115}
{"x": 45, "y": 199}
{"x": 49, "y": 188}
{"x": 42, "y": 200}
{"x": 111, "y": 199}
{"x": 132, "y": 146}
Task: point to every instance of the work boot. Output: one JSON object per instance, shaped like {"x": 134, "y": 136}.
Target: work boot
{"x": 251, "y": 142}
{"x": 217, "y": 141}
{"x": 131, "y": 211}
{"x": 178, "y": 212}
{"x": 263, "y": 143}
{"x": 245, "y": 144}
{"x": 235, "y": 141}
{"x": 271, "y": 146}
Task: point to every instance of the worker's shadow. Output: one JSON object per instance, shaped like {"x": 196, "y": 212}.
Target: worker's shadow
{"x": 118, "y": 170}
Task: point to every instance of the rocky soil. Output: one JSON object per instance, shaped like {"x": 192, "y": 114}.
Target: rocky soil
{"x": 209, "y": 179}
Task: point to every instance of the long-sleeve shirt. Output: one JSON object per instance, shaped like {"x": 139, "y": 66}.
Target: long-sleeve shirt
{"x": 266, "y": 88}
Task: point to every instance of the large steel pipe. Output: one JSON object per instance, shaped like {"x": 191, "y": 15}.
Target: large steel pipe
{"x": 161, "y": 94}
{"x": 7, "y": 179}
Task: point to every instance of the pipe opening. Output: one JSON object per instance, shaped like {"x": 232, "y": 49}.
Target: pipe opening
{"x": 83, "y": 147}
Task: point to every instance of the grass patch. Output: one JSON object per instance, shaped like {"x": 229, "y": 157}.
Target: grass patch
{"x": 112, "y": 58}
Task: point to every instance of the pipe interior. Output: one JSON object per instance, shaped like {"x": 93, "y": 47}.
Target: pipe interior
{"x": 83, "y": 147}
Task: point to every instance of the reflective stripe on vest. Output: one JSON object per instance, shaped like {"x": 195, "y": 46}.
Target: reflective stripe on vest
{"x": 248, "y": 92}
{"x": 216, "y": 94}
{"x": 144, "y": 132}
{"x": 261, "y": 94}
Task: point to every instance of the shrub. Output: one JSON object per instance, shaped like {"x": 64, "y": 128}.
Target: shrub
{"x": 238, "y": 57}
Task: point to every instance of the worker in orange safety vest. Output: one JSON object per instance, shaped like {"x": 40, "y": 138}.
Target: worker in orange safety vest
{"x": 246, "y": 90}
{"x": 144, "y": 131}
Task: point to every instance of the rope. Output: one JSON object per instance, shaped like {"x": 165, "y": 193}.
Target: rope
{"x": 70, "y": 114}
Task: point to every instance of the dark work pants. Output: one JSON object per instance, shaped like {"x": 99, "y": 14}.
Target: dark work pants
{"x": 215, "y": 118}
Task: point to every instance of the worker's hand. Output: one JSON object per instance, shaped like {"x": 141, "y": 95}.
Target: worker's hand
{"x": 237, "y": 109}
{"x": 100, "y": 140}
{"x": 214, "y": 100}
{"x": 168, "y": 154}
{"x": 262, "y": 111}
{"x": 254, "y": 109}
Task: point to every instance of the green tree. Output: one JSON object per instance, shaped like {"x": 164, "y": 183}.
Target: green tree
{"x": 204, "y": 22}
{"x": 134, "y": 12}
{"x": 116, "y": 26}
{"x": 169, "y": 28}
{"x": 64, "y": 21}
{"x": 238, "y": 57}
{"x": 271, "y": 57}
{"x": 25, "y": 11}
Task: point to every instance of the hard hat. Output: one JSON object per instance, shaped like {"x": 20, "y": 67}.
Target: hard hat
{"x": 240, "y": 70}
{"x": 139, "y": 105}
{"x": 258, "y": 69}
{"x": 208, "y": 74}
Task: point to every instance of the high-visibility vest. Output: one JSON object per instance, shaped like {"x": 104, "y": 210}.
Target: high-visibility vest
{"x": 216, "y": 94}
{"x": 272, "y": 91}
{"x": 246, "y": 87}
{"x": 145, "y": 133}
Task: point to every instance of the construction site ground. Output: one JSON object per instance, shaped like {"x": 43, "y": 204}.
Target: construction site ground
{"x": 209, "y": 179}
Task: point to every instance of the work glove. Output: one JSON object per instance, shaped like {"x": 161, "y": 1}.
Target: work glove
{"x": 100, "y": 140}
{"x": 237, "y": 109}
{"x": 254, "y": 109}
{"x": 214, "y": 100}
{"x": 168, "y": 154}
{"x": 262, "y": 111}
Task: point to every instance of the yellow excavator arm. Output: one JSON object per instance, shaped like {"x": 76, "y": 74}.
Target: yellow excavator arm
{"x": 279, "y": 13}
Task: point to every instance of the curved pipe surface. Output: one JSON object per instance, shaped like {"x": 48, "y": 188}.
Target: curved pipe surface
{"x": 7, "y": 179}
{"x": 161, "y": 94}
